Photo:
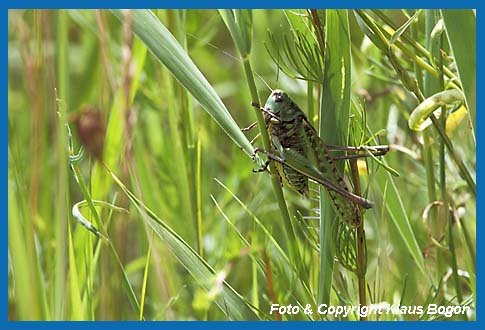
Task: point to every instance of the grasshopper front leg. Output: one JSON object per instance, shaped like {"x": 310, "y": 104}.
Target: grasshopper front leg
{"x": 250, "y": 127}
{"x": 270, "y": 118}
{"x": 270, "y": 157}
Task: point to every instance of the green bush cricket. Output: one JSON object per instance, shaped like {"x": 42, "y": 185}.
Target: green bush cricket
{"x": 301, "y": 154}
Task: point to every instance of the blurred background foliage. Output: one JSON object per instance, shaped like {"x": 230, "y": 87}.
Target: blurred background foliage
{"x": 214, "y": 247}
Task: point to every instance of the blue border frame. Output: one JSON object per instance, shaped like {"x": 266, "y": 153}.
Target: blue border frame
{"x": 240, "y": 4}
{"x": 217, "y": 4}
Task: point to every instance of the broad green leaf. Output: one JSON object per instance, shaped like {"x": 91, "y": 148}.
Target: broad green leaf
{"x": 334, "y": 121}
{"x": 461, "y": 31}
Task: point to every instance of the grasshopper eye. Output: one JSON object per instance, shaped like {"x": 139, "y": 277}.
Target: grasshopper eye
{"x": 278, "y": 96}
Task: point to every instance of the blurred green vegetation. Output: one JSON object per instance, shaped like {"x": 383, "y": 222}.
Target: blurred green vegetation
{"x": 204, "y": 237}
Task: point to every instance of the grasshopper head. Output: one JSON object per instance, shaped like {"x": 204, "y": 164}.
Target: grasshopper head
{"x": 282, "y": 105}
{"x": 276, "y": 99}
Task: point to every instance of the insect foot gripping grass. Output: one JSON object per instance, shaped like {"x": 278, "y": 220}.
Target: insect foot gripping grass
{"x": 301, "y": 154}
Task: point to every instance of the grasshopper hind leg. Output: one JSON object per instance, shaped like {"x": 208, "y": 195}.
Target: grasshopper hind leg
{"x": 295, "y": 180}
{"x": 357, "y": 152}
{"x": 347, "y": 210}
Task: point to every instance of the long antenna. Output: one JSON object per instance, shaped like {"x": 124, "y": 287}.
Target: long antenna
{"x": 229, "y": 55}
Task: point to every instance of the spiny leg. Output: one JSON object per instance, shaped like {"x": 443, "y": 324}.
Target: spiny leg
{"x": 266, "y": 112}
{"x": 361, "y": 148}
{"x": 250, "y": 127}
{"x": 255, "y": 138}
{"x": 374, "y": 150}
{"x": 345, "y": 157}
{"x": 332, "y": 186}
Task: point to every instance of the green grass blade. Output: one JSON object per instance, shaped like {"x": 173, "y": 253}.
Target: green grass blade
{"x": 460, "y": 23}
{"x": 261, "y": 226}
{"x": 397, "y": 212}
{"x": 239, "y": 27}
{"x": 23, "y": 251}
{"x": 62, "y": 203}
{"x": 144, "y": 283}
{"x": 227, "y": 299}
{"x": 334, "y": 116}
{"x": 75, "y": 296}
{"x": 165, "y": 47}
{"x": 239, "y": 23}
{"x": 114, "y": 141}
{"x": 403, "y": 28}
{"x": 28, "y": 306}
